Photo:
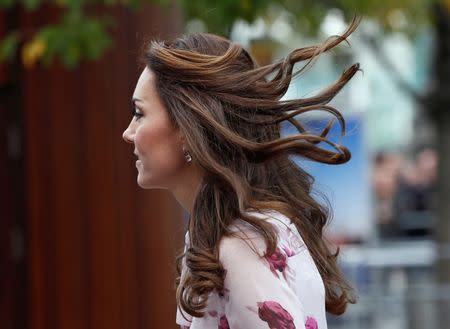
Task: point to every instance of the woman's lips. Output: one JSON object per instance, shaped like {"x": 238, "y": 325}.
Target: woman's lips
{"x": 138, "y": 162}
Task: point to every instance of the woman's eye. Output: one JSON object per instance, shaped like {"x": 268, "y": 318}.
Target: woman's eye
{"x": 137, "y": 113}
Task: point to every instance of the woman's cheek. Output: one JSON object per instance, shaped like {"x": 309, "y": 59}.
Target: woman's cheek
{"x": 142, "y": 140}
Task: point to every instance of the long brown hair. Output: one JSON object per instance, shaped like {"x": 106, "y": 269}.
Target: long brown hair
{"x": 229, "y": 110}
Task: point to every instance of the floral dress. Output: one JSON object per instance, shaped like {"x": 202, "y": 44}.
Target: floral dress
{"x": 280, "y": 291}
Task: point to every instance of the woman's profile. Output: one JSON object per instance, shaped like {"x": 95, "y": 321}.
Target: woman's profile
{"x": 206, "y": 126}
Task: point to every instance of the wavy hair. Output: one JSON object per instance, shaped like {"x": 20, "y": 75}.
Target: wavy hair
{"x": 229, "y": 110}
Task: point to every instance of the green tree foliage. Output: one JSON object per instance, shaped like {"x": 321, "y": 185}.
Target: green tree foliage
{"x": 219, "y": 15}
{"x": 78, "y": 36}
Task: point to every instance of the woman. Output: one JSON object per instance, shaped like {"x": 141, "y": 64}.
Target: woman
{"x": 206, "y": 126}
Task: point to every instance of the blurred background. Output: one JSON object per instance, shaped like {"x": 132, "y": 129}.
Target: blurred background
{"x": 81, "y": 246}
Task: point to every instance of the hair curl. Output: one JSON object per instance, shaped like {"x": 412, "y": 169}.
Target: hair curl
{"x": 230, "y": 111}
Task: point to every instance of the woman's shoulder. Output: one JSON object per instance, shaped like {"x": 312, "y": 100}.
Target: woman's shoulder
{"x": 244, "y": 234}
{"x": 281, "y": 223}
{"x": 270, "y": 215}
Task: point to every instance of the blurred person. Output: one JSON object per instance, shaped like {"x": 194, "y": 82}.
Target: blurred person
{"x": 385, "y": 179}
{"x": 427, "y": 162}
{"x": 206, "y": 127}
{"x": 414, "y": 199}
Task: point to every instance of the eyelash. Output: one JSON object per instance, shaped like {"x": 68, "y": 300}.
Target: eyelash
{"x": 136, "y": 114}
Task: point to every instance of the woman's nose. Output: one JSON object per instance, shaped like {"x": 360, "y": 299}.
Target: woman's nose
{"x": 127, "y": 135}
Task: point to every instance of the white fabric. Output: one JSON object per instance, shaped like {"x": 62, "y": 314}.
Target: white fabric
{"x": 284, "y": 291}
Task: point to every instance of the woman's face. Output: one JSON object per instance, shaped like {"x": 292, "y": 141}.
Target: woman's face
{"x": 157, "y": 144}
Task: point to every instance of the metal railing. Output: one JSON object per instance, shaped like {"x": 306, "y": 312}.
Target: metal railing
{"x": 394, "y": 281}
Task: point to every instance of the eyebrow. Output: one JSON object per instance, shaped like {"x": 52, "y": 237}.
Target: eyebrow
{"x": 134, "y": 99}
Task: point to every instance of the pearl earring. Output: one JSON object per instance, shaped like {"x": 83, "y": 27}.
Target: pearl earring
{"x": 187, "y": 155}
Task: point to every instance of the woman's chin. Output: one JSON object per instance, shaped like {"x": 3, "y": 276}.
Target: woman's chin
{"x": 145, "y": 183}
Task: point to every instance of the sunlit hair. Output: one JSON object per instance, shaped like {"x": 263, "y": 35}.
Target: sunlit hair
{"x": 229, "y": 111}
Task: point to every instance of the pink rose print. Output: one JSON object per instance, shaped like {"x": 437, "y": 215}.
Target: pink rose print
{"x": 292, "y": 239}
{"x": 213, "y": 313}
{"x": 223, "y": 323}
{"x": 295, "y": 244}
{"x": 277, "y": 261}
{"x": 311, "y": 323}
{"x": 275, "y": 315}
{"x": 288, "y": 252}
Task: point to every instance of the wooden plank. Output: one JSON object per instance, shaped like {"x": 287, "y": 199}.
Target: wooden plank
{"x": 101, "y": 249}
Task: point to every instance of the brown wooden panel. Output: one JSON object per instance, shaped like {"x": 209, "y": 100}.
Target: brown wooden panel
{"x": 101, "y": 250}
{"x": 101, "y": 194}
{"x": 40, "y": 224}
{"x": 7, "y": 266}
{"x": 125, "y": 178}
{"x": 68, "y": 186}
{"x": 5, "y": 69}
